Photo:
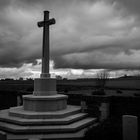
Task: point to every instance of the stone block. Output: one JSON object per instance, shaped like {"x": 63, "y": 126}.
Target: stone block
{"x": 44, "y": 86}
{"x": 44, "y": 103}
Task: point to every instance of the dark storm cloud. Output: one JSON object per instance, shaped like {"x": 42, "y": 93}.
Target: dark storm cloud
{"x": 107, "y": 35}
{"x": 100, "y": 60}
{"x": 19, "y": 41}
{"x": 87, "y": 34}
{"x": 4, "y": 3}
{"x": 131, "y": 5}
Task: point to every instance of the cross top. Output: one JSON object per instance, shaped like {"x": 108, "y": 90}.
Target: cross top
{"x": 46, "y": 21}
{"x": 45, "y": 51}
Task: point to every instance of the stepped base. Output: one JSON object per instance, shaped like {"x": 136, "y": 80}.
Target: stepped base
{"x": 44, "y": 103}
{"x": 69, "y": 123}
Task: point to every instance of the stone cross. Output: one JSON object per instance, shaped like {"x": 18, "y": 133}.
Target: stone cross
{"x": 45, "y": 51}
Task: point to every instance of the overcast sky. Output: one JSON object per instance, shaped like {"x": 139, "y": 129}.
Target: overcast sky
{"x": 88, "y": 35}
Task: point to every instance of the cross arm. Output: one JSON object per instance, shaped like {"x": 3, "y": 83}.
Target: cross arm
{"x": 48, "y": 22}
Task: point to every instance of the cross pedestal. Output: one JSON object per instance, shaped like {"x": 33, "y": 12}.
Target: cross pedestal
{"x": 45, "y": 97}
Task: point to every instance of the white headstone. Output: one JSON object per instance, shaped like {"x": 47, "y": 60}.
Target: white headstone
{"x": 104, "y": 109}
{"x": 83, "y": 106}
{"x": 19, "y": 101}
{"x": 130, "y": 127}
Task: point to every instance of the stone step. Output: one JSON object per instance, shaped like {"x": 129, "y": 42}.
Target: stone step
{"x": 60, "y": 136}
{"x": 73, "y": 127}
{"x": 59, "y": 121}
{"x": 20, "y": 112}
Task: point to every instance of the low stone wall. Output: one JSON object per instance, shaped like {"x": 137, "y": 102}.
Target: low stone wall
{"x": 105, "y": 106}
{"x": 98, "y": 106}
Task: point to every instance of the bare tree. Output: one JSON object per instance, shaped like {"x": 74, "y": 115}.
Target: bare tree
{"x": 102, "y": 77}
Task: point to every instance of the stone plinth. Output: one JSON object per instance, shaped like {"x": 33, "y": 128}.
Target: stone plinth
{"x": 44, "y": 86}
{"x": 44, "y": 103}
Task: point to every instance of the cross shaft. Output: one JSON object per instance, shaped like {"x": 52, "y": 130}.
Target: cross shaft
{"x": 45, "y": 46}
